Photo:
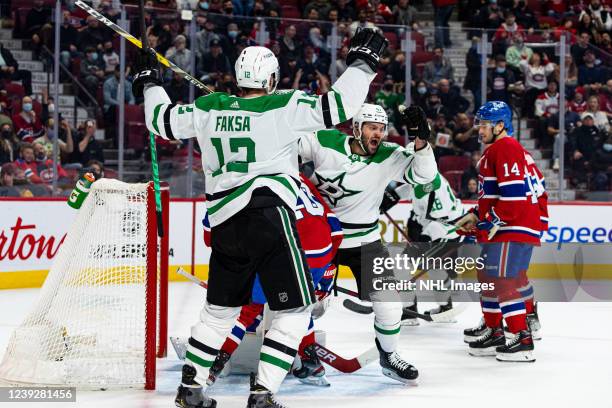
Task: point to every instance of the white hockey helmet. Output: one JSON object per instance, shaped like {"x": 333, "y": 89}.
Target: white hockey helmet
{"x": 255, "y": 67}
{"x": 370, "y": 113}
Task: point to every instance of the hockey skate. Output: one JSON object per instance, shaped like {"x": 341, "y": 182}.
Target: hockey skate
{"x": 190, "y": 393}
{"x": 261, "y": 397}
{"x": 486, "y": 345}
{"x": 474, "y": 333}
{"x": 519, "y": 349}
{"x": 533, "y": 322}
{"x": 408, "y": 319}
{"x": 393, "y": 366}
{"x": 310, "y": 370}
{"x": 441, "y": 309}
{"x": 217, "y": 367}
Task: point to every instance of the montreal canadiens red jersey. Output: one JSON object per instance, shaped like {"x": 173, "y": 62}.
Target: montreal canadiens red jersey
{"x": 512, "y": 185}
{"x": 318, "y": 228}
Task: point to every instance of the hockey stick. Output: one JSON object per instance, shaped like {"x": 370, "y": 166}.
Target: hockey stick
{"x": 152, "y": 145}
{"x": 163, "y": 60}
{"x": 326, "y": 355}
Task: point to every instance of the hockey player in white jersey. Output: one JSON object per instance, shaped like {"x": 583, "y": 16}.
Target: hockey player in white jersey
{"x": 249, "y": 156}
{"x": 434, "y": 209}
{"x": 351, "y": 174}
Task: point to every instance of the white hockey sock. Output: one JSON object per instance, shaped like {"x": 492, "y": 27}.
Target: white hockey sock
{"x": 387, "y": 316}
{"x": 207, "y": 337}
{"x": 280, "y": 346}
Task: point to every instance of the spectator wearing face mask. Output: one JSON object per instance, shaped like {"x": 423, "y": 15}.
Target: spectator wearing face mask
{"x": 230, "y": 42}
{"x": 26, "y": 123}
{"x": 110, "y": 58}
{"x": 389, "y": 99}
{"x": 420, "y": 94}
{"x": 44, "y": 166}
{"x": 8, "y": 143}
{"x": 501, "y": 81}
{"x": 433, "y": 105}
{"x": 64, "y": 142}
{"x": 92, "y": 69}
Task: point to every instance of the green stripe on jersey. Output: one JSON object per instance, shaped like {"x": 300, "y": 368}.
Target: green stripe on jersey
{"x": 341, "y": 113}
{"x": 223, "y": 102}
{"x": 274, "y": 361}
{"x": 421, "y": 190}
{"x": 156, "y": 116}
{"x": 385, "y": 150}
{"x": 244, "y": 187}
{"x": 387, "y": 332}
{"x": 333, "y": 139}
{"x": 198, "y": 360}
{"x": 360, "y": 234}
{"x": 296, "y": 255}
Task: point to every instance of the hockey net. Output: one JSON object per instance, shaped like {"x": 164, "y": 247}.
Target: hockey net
{"x": 95, "y": 325}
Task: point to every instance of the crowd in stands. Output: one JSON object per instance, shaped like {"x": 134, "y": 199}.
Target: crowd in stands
{"x": 523, "y": 70}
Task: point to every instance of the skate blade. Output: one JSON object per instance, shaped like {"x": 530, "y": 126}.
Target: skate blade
{"x": 488, "y": 352}
{"x": 518, "y": 357}
{"x": 392, "y": 375}
{"x": 442, "y": 319}
{"x": 316, "y": 381}
{"x": 536, "y": 335}
{"x": 410, "y": 322}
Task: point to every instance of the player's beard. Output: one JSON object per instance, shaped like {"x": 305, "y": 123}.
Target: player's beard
{"x": 372, "y": 145}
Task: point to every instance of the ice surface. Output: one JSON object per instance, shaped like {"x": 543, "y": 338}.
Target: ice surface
{"x": 573, "y": 367}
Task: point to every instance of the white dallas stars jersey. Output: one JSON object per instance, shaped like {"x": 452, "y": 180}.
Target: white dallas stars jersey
{"x": 354, "y": 185}
{"x": 248, "y": 143}
{"x": 434, "y": 204}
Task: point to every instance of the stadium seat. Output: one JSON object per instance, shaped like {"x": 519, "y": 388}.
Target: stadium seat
{"x": 393, "y": 40}
{"x": 14, "y": 90}
{"x": 535, "y": 6}
{"x": 453, "y": 163}
{"x": 290, "y": 12}
{"x": 547, "y": 22}
{"x": 454, "y": 179}
{"x": 135, "y": 128}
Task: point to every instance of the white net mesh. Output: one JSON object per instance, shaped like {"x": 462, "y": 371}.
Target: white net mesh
{"x": 88, "y": 327}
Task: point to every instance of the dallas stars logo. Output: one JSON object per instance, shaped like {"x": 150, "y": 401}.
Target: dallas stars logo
{"x": 333, "y": 189}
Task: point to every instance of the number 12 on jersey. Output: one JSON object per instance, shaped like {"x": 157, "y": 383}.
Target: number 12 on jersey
{"x": 236, "y": 144}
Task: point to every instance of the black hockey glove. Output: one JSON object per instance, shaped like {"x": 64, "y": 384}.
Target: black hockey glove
{"x": 415, "y": 120}
{"x": 390, "y": 198}
{"x": 148, "y": 71}
{"x": 367, "y": 45}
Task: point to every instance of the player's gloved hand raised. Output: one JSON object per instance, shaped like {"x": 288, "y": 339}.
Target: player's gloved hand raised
{"x": 148, "y": 71}
{"x": 367, "y": 45}
{"x": 491, "y": 223}
{"x": 416, "y": 123}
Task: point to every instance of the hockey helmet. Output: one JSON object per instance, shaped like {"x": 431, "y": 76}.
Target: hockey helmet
{"x": 493, "y": 112}
{"x": 255, "y": 67}
{"x": 370, "y": 113}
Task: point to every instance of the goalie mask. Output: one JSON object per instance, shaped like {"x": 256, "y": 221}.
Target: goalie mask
{"x": 369, "y": 113}
{"x": 257, "y": 68}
